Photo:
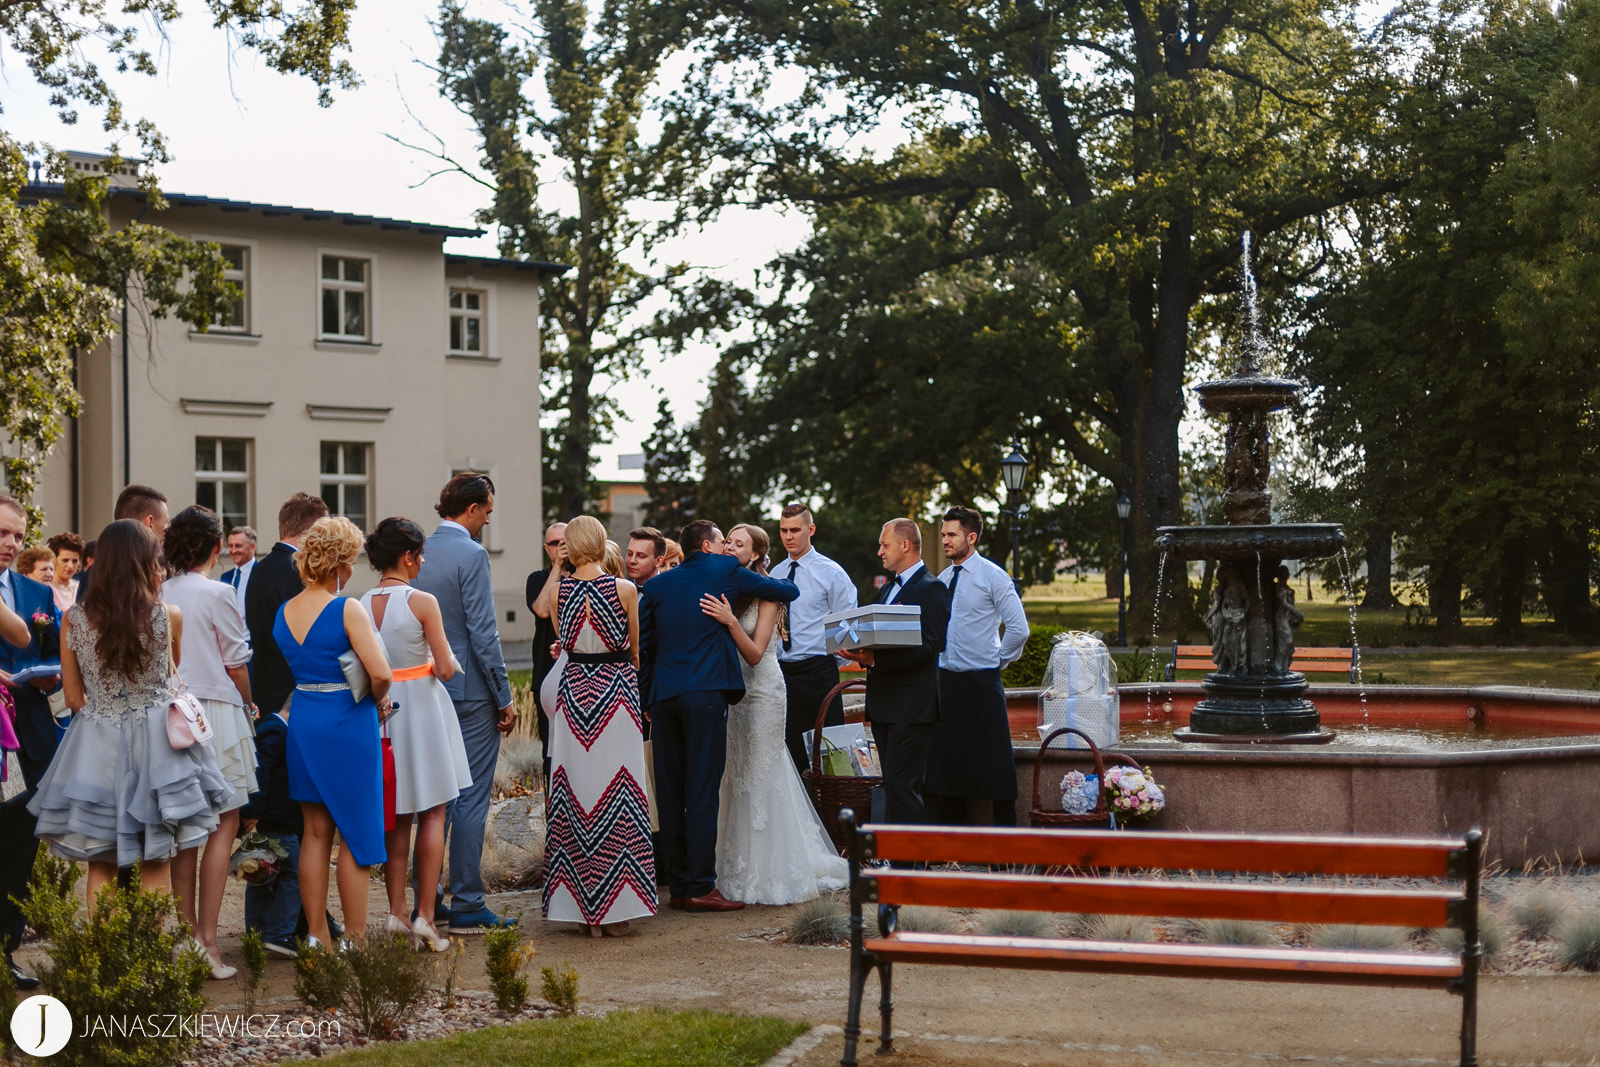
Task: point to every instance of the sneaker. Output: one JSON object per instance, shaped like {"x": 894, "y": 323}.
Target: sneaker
{"x": 282, "y": 948}
{"x": 479, "y": 922}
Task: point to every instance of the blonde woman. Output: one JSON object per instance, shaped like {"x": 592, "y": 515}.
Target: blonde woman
{"x": 333, "y": 757}
{"x": 599, "y": 867}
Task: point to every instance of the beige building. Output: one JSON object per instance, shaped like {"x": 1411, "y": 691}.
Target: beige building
{"x": 363, "y": 363}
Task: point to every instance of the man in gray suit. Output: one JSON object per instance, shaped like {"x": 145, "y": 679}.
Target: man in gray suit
{"x": 456, "y": 571}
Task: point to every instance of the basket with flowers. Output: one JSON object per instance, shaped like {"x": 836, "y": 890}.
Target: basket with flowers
{"x": 1132, "y": 792}
{"x": 258, "y": 859}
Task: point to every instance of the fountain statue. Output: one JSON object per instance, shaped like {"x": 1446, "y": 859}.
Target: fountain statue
{"x": 1254, "y": 695}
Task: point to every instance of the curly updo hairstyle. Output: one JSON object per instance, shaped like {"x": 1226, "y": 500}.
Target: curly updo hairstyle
{"x": 330, "y": 544}
{"x": 194, "y": 533}
{"x": 391, "y": 539}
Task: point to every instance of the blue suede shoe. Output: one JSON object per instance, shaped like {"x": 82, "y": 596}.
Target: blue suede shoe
{"x": 478, "y": 922}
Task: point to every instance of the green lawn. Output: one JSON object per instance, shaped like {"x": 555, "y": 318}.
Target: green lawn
{"x": 648, "y": 1038}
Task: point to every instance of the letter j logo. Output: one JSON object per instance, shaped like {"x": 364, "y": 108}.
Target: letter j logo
{"x": 41, "y": 1026}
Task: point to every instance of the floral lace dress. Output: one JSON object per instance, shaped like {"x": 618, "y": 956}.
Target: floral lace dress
{"x": 771, "y": 845}
{"x": 116, "y": 789}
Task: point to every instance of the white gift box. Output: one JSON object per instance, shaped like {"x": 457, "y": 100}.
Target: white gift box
{"x": 874, "y": 626}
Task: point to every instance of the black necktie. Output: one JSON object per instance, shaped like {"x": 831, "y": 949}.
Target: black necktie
{"x": 894, "y": 584}
{"x": 794, "y": 565}
{"x": 234, "y": 578}
{"x": 955, "y": 576}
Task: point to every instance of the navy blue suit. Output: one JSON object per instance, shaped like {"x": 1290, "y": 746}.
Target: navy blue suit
{"x": 694, "y": 675}
{"x": 903, "y": 699}
{"x": 36, "y": 731}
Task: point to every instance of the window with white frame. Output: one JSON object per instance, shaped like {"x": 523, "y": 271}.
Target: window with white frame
{"x": 347, "y": 479}
{"x": 468, "y": 308}
{"x": 222, "y": 478}
{"x": 236, "y": 269}
{"x": 346, "y": 298}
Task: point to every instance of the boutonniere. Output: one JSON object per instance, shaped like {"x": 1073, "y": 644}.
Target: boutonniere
{"x": 42, "y": 621}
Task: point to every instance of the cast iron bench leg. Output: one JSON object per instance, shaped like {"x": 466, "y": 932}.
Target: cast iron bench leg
{"x": 886, "y": 1007}
{"x": 852, "y": 1022}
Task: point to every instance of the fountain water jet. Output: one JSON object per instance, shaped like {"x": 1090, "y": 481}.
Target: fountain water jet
{"x": 1254, "y": 695}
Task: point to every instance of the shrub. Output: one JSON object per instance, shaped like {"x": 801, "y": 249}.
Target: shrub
{"x": 819, "y": 921}
{"x": 8, "y": 1004}
{"x": 387, "y": 982}
{"x": 560, "y": 987}
{"x": 122, "y": 964}
{"x": 1230, "y": 932}
{"x": 255, "y": 967}
{"x": 1580, "y": 941}
{"x": 1119, "y": 928}
{"x": 321, "y": 978}
{"x": 451, "y": 966}
{"x": 507, "y": 957}
{"x": 1339, "y": 935}
{"x": 1027, "y": 671}
{"x": 926, "y": 920}
{"x": 1538, "y": 912}
{"x": 1016, "y": 924}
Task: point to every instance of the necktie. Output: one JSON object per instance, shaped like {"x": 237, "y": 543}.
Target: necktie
{"x": 894, "y": 584}
{"x": 794, "y": 565}
{"x": 955, "y": 576}
{"x": 6, "y": 592}
{"x": 233, "y": 577}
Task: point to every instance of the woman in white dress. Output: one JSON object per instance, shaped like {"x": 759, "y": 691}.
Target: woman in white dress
{"x": 217, "y": 671}
{"x": 771, "y": 845}
{"x": 430, "y": 758}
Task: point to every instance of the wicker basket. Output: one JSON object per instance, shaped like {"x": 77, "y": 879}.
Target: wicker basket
{"x": 830, "y": 792}
{"x": 1101, "y": 815}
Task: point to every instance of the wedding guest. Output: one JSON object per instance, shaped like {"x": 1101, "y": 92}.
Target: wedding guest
{"x": 117, "y": 793}
{"x": 242, "y": 551}
{"x": 457, "y": 574}
{"x": 335, "y": 769}
{"x": 970, "y": 758}
{"x": 613, "y": 564}
{"x": 273, "y": 581}
{"x": 141, "y": 503}
{"x": 430, "y": 760}
{"x": 672, "y": 556}
{"x": 599, "y": 868}
{"x": 809, "y": 672}
{"x": 647, "y": 550}
{"x": 217, "y": 673}
{"x": 273, "y": 910}
{"x": 68, "y": 548}
{"x": 771, "y": 845}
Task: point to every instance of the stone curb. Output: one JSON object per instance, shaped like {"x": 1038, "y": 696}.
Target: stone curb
{"x": 803, "y": 1044}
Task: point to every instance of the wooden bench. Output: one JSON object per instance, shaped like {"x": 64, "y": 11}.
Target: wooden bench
{"x": 1087, "y": 872}
{"x": 1306, "y": 661}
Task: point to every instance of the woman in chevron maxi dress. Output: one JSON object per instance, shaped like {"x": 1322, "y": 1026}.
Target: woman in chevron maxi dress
{"x": 599, "y": 869}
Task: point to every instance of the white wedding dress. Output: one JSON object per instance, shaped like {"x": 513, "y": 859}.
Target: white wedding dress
{"x": 771, "y": 845}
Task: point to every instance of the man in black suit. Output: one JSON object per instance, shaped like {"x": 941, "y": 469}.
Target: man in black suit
{"x": 694, "y": 676}
{"x": 274, "y": 581}
{"x": 544, "y": 628}
{"x": 903, "y": 681}
{"x": 35, "y": 727}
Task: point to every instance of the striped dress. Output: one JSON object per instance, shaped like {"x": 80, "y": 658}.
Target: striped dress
{"x": 599, "y": 867}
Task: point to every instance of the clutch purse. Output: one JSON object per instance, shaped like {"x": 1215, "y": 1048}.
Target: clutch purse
{"x": 355, "y": 672}
{"x": 186, "y": 720}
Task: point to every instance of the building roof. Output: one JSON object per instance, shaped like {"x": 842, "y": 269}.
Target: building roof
{"x": 540, "y": 265}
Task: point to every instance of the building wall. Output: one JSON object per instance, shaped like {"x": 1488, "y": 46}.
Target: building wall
{"x": 423, "y": 413}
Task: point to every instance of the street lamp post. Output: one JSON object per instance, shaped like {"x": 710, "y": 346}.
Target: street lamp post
{"x": 1124, "y": 509}
{"x": 1014, "y": 471}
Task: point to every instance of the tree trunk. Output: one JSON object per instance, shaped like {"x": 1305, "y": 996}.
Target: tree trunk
{"x": 1444, "y": 599}
{"x": 1566, "y": 583}
{"x": 1380, "y": 569}
{"x": 1511, "y": 588}
{"x": 575, "y": 446}
{"x": 1114, "y": 577}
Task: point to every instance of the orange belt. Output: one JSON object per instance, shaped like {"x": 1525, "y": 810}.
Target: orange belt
{"x": 411, "y": 674}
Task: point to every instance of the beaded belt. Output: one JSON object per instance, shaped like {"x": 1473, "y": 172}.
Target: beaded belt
{"x": 324, "y": 687}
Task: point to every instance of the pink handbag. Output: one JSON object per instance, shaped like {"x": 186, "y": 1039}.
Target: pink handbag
{"x": 186, "y": 716}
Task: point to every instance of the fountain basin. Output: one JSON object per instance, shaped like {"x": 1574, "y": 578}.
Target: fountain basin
{"x": 1302, "y": 540}
{"x": 1522, "y": 764}
{"x": 1247, "y": 392}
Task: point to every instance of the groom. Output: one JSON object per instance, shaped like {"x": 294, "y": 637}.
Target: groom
{"x": 694, "y": 676}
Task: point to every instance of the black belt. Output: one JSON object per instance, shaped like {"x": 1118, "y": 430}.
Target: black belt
{"x": 621, "y": 655}
{"x": 806, "y": 661}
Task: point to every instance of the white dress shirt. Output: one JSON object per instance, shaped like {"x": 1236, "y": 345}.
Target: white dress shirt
{"x": 900, "y": 581}
{"x": 824, "y": 588}
{"x": 242, "y": 583}
{"x": 984, "y": 598}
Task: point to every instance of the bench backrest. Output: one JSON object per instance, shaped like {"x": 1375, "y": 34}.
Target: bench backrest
{"x": 1328, "y": 660}
{"x": 1076, "y": 879}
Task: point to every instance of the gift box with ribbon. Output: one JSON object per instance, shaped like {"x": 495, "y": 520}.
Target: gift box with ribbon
{"x": 874, "y": 626}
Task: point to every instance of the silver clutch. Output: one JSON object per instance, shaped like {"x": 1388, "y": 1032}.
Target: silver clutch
{"x": 355, "y": 672}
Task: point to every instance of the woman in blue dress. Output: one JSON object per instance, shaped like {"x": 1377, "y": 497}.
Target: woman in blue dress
{"x": 333, "y": 756}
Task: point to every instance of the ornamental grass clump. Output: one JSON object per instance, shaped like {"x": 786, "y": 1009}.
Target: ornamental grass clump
{"x": 1017, "y": 924}
{"x": 1491, "y": 937}
{"x": 388, "y": 980}
{"x": 1580, "y": 941}
{"x": 116, "y": 971}
{"x": 1355, "y": 936}
{"x": 926, "y": 920}
{"x": 1137, "y": 928}
{"x": 1538, "y": 912}
{"x": 1230, "y": 932}
{"x": 821, "y": 920}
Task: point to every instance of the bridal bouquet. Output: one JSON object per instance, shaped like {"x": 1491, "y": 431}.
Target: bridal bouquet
{"x": 1133, "y": 793}
{"x": 258, "y": 859}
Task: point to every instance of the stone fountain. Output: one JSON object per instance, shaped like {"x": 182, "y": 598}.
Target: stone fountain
{"x": 1254, "y": 695}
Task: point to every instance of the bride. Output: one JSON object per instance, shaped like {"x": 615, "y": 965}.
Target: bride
{"x": 771, "y": 846}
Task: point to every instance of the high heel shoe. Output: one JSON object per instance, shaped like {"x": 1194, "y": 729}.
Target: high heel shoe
{"x": 393, "y": 924}
{"x": 219, "y": 971}
{"x": 427, "y": 937}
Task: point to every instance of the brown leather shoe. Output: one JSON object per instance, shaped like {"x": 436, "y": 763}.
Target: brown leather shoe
{"x": 677, "y": 903}
{"x": 713, "y": 901}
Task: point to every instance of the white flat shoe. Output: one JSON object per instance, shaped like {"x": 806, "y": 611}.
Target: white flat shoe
{"x": 427, "y": 937}
{"x": 221, "y": 972}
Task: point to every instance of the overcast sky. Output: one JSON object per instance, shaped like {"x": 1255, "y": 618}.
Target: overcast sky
{"x": 240, "y": 131}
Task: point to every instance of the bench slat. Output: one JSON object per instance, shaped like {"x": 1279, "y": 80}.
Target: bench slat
{"x": 1304, "y": 666}
{"x": 1192, "y": 961}
{"x": 1126, "y": 896}
{"x": 1158, "y": 850}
